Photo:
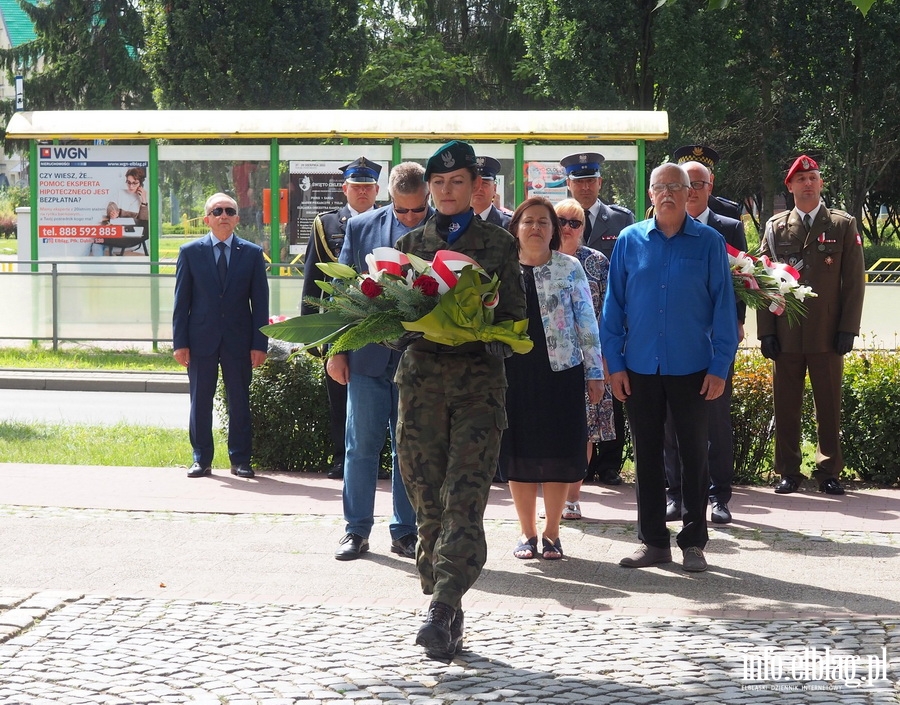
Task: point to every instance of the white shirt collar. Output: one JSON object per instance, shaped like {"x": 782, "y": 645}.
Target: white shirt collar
{"x": 812, "y": 214}
{"x": 704, "y": 216}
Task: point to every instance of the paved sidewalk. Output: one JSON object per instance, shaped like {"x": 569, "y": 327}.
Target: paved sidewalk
{"x": 138, "y": 585}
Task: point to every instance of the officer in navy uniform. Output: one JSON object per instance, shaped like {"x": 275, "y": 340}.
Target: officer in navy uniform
{"x": 602, "y": 225}
{"x": 708, "y": 157}
{"x": 483, "y": 195}
{"x": 360, "y": 187}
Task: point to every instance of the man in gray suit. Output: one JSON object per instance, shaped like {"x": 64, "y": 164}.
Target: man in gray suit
{"x": 368, "y": 374}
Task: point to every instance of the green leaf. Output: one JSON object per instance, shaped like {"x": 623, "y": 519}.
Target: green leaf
{"x": 336, "y": 270}
{"x": 315, "y": 329}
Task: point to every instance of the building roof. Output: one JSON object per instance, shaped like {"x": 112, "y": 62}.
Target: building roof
{"x": 563, "y": 125}
{"x": 18, "y": 24}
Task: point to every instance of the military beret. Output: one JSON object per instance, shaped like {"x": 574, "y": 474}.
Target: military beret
{"x": 487, "y": 167}
{"x": 451, "y": 156}
{"x": 361, "y": 171}
{"x": 583, "y": 165}
{"x": 801, "y": 163}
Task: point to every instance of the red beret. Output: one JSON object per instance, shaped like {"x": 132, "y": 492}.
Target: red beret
{"x": 802, "y": 163}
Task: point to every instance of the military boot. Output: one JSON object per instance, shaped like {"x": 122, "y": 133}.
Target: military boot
{"x": 434, "y": 634}
{"x": 456, "y": 632}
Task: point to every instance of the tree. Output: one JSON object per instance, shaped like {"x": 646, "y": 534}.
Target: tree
{"x": 86, "y": 56}
{"x": 276, "y": 54}
{"x": 862, "y": 5}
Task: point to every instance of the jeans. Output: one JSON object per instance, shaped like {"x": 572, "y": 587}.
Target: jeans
{"x": 372, "y": 409}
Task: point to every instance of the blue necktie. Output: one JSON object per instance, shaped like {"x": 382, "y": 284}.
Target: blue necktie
{"x": 222, "y": 264}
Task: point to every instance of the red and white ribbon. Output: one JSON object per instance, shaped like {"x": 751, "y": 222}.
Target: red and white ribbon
{"x": 445, "y": 267}
{"x": 386, "y": 259}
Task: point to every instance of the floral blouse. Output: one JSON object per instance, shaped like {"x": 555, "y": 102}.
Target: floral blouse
{"x": 568, "y": 315}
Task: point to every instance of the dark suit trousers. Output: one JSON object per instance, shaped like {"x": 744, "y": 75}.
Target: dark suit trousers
{"x": 650, "y": 397}
{"x": 825, "y": 372}
{"x": 203, "y": 375}
{"x": 721, "y": 449}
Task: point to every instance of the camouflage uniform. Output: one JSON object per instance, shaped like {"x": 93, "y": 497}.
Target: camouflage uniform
{"x": 451, "y": 415}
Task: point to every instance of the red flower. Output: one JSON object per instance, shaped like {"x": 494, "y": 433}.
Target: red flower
{"x": 427, "y": 285}
{"x": 371, "y": 288}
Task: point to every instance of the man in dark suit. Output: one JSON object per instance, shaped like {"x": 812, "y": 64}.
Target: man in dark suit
{"x": 325, "y": 242}
{"x": 483, "y": 195}
{"x": 721, "y": 440}
{"x": 708, "y": 157}
{"x": 602, "y": 225}
{"x": 221, "y": 302}
{"x": 368, "y": 376}
{"x": 824, "y": 245}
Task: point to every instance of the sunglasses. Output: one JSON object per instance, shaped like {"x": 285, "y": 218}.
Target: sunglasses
{"x": 404, "y": 211}
{"x": 227, "y": 211}
{"x": 573, "y": 223}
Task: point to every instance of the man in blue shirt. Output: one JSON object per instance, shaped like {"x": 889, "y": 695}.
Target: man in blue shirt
{"x": 669, "y": 335}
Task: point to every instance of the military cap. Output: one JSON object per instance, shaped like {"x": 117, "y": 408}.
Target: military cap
{"x": 583, "y": 165}
{"x": 451, "y": 156}
{"x": 361, "y": 171}
{"x": 707, "y": 156}
{"x": 801, "y": 163}
{"x": 487, "y": 167}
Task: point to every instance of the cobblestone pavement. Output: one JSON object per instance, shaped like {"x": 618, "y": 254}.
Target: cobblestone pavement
{"x": 119, "y": 607}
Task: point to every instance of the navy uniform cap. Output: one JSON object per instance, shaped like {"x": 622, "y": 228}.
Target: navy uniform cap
{"x": 487, "y": 167}
{"x": 362, "y": 171}
{"x": 707, "y": 156}
{"x": 449, "y": 157}
{"x": 583, "y": 165}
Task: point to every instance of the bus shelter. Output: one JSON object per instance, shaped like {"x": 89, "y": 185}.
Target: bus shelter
{"x": 266, "y": 159}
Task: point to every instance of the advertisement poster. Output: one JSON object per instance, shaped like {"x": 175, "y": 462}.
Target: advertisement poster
{"x": 547, "y": 179}
{"x": 93, "y": 201}
{"x": 316, "y": 187}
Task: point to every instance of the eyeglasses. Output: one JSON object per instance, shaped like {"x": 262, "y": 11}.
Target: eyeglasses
{"x": 698, "y": 185}
{"x": 573, "y": 223}
{"x": 219, "y": 210}
{"x": 132, "y": 183}
{"x": 673, "y": 187}
{"x": 404, "y": 211}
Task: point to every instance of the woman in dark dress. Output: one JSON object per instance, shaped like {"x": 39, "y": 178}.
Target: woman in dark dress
{"x": 547, "y": 434}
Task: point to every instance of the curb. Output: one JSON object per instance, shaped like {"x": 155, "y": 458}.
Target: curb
{"x": 90, "y": 381}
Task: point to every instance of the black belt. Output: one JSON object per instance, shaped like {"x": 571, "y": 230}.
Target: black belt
{"x": 423, "y": 345}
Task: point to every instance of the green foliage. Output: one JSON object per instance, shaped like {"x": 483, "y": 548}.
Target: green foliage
{"x": 289, "y": 410}
{"x": 275, "y": 54}
{"x": 870, "y": 423}
{"x": 86, "y": 56}
{"x": 752, "y": 418}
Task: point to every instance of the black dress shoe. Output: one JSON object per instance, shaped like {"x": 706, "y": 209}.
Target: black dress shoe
{"x": 405, "y": 546}
{"x": 720, "y": 513}
{"x": 434, "y": 635}
{"x": 456, "y": 632}
{"x": 673, "y": 510}
{"x": 197, "y": 470}
{"x": 242, "y": 470}
{"x": 610, "y": 476}
{"x": 831, "y": 486}
{"x": 336, "y": 472}
{"x": 786, "y": 486}
{"x": 351, "y": 547}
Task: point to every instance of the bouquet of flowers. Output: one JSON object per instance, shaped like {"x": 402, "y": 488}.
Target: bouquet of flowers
{"x": 450, "y": 300}
{"x": 763, "y": 284}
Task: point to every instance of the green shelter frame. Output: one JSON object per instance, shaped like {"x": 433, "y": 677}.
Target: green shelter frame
{"x": 393, "y": 126}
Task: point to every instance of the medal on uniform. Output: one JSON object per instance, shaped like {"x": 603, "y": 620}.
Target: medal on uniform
{"x": 829, "y": 260}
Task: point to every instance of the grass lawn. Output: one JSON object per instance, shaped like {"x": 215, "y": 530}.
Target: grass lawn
{"x": 120, "y": 445}
{"x": 84, "y": 357}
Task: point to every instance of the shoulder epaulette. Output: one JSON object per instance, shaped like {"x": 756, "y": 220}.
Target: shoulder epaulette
{"x": 621, "y": 209}
{"x": 729, "y": 202}
{"x": 838, "y": 211}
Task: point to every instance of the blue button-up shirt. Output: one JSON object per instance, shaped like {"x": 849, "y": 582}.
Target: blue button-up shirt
{"x": 669, "y": 304}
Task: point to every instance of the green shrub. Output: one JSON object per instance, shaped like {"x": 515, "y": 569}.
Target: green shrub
{"x": 752, "y": 418}
{"x": 870, "y": 418}
{"x": 289, "y": 410}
